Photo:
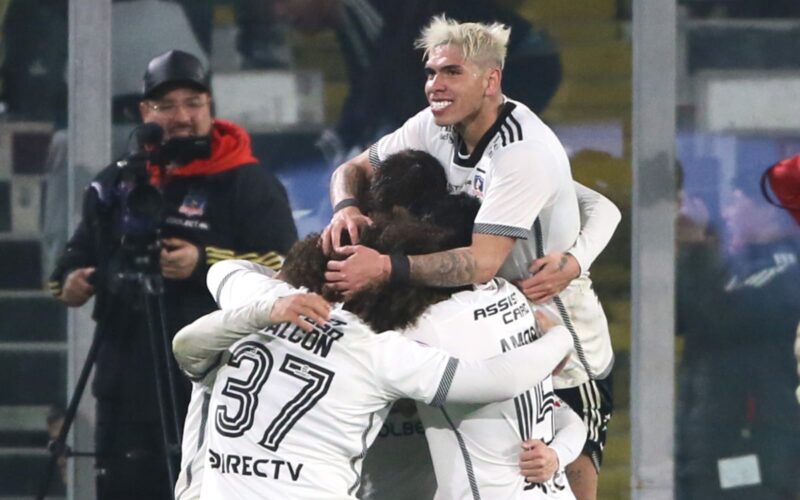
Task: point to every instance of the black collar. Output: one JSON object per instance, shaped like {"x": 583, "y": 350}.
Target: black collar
{"x": 460, "y": 156}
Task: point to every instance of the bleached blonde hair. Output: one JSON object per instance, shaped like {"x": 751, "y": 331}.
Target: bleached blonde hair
{"x": 483, "y": 44}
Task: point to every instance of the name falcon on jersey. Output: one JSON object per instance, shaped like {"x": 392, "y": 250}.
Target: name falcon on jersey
{"x": 319, "y": 341}
{"x": 502, "y": 306}
{"x": 260, "y": 467}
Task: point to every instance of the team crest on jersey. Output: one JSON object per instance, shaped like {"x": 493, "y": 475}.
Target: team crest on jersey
{"x": 477, "y": 185}
{"x": 194, "y": 204}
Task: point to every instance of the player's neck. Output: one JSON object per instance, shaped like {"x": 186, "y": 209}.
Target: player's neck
{"x": 473, "y": 128}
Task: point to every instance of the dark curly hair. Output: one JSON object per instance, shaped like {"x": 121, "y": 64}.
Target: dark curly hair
{"x": 411, "y": 179}
{"x": 390, "y": 306}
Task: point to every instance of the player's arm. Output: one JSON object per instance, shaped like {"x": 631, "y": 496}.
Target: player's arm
{"x": 520, "y": 189}
{"x": 538, "y": 461}
{"x": 251, "y": 300}
{"x": 348, "y": 182}
{"x": 432, "y": 376}
{"x": 509, "y": 374}
{"x": 599, "y": 219}
{"x": 476, "y": 263}
{"x": 197, "y": 346}
{"x": 234, "y": 283}
{"x": 553, "y": 272}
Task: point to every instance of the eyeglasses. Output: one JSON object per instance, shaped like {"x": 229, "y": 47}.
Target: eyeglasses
{"x": 169, "y": 107}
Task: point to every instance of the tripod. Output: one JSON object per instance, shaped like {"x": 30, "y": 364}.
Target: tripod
{"x": 151, "y": 292}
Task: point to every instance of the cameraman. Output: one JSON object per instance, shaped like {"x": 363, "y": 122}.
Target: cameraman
{"x": 218, "y": 205}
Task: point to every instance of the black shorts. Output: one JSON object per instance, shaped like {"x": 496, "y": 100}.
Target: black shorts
{"x": 593, "y": 402}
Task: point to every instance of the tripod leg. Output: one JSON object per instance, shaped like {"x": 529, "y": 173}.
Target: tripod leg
{"x": 57, "y": 447}
{"x": 163, "y": 403}
{"x": 171, "y": 367}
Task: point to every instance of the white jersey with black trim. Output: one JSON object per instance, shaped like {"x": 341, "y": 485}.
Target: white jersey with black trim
{"x": 194, "y": 440}
{"x": 519, "y": 170}
{"x": 475, "y": 448}
{"x": 193, "y": 444}
{"x": 338, "y": 381}
{"x": 521, "y": 173}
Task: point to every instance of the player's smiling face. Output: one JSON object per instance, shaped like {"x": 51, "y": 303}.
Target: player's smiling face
{"x": 455, "y": 87}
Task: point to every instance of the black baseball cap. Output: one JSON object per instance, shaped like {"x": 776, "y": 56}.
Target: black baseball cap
{"x": 172, "y": 69}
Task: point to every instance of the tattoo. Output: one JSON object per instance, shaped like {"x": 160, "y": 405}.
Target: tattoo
{"x": 563, "y": 262}
{"x": 455, "y": 267}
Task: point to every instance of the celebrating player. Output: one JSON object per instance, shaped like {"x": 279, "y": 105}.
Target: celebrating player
{"x": 528, "y": 228}
{"x": 293, "y": 413}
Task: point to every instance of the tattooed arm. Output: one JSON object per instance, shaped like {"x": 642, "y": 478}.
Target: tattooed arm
{"x": 476, "y": 263}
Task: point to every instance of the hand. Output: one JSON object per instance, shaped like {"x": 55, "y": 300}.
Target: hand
{"x": 178, "y": 258}
{"x": 537, "y": 462}
{"x": 77, "y": 289}
{"x": 551, "y": 274}
{"x": 363, "y": 268}
{"x": 348, "y": 218}
{"x": 296, "y": 308}
{"x": 545, "y": 322}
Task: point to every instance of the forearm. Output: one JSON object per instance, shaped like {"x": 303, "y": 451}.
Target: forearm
{"x": 476, "y": 263}
{"x": 599, "y": 219}
{"x": 350, "y": 180}
{"x": 509, "y": 374}
{"x": 570, "y": 435}
{"x": 197, "y": 345}
{"x": 450, "y": 268}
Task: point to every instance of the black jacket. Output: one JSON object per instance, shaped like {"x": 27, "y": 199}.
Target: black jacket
{"x": 242, "y": 212}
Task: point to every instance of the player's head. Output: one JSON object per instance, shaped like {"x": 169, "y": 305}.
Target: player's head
{"x": 456, "y": 213}
{"x": 389, "y": 306}
{"x": 480, "y": 43}
{"x": 411, "y": 179}
{"x": 463, "y": 65}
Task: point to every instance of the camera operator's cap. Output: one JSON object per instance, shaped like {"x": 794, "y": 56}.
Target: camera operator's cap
{"x": 174, "y": 68}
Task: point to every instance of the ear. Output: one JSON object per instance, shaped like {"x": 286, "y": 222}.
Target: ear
{"x": 493, "y": 79}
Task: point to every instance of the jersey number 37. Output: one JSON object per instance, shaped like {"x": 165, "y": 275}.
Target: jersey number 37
{"x": 315, "y": 383}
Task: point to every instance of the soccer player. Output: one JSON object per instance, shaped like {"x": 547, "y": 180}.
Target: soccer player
{"x": 293, "y": 413}
{"x": 193, "y": 442}
{"x": 527, "y": 230}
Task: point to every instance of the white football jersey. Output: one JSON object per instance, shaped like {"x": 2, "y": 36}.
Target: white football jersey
{"x": 521, "y": 173}
{"x": 475, "y": 448}
{"x": 338, "y": 380}
{"x": 193, "y": 444}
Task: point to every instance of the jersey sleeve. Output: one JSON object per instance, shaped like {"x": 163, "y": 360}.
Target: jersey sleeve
{"x": 520, "y": 187}
{"x": 599, "y": 219}
{"x": 198, "y": 346}
{"x": 570, "y": 433}
{"x": 412, "y": 135}
{"x": 246, "y": 292}
{"x": 409, "y": 369}
{"x": 233, "y": 283}
{"x": 502, "y": 376}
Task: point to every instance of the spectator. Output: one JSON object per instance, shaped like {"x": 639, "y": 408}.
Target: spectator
{"x": 738, "y": 311}
{"x": 219, "y": 207}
